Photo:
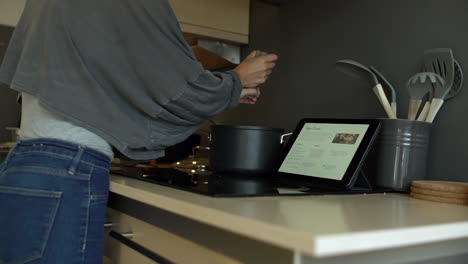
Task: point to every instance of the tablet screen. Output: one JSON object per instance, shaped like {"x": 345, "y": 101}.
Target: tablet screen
{"x": 324, "y": 150}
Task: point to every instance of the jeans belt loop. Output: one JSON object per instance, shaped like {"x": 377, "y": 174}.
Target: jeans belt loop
{"x": 76, "y": 160}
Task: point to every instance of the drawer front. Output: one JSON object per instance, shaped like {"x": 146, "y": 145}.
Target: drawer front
{"x": 118, "y": 253}
{"x": 156, "y": 241}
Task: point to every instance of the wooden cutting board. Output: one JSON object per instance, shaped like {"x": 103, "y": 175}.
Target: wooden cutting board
{"x": 439, "y": 199}
{"x": 439, "y": 193}
{"x": 442, "y": 186}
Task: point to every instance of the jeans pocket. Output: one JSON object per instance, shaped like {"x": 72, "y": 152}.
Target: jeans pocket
{"x": 26, "y": 222}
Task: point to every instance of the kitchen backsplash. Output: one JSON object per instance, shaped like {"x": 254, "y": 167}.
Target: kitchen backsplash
{"x": 310, "y": 36}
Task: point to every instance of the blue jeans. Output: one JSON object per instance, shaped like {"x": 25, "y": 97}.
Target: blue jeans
{"x": 53, "y": 197}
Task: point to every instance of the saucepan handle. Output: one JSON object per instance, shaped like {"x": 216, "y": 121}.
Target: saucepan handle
{"x": 283, "y": 136}
{"x": 215, "y": 123}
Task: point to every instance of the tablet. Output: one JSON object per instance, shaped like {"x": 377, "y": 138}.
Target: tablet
{"x": 327, "y": 152}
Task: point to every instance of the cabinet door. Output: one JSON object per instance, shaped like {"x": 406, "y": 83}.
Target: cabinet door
{"x": 222, "y": 19}
{"x": 118, "y": 253}
{"x": 160, "y": 242}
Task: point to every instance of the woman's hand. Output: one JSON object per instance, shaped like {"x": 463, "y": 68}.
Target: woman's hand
{"x": 249, "y": 95}
{"x": 254, "y": 70}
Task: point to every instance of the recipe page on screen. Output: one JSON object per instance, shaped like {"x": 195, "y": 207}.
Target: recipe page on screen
{"x": 324, "y": 150}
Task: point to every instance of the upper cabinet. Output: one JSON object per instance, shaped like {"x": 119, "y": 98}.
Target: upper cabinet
{"x": 10, "y": 11}
{"x": 220, "y": 19}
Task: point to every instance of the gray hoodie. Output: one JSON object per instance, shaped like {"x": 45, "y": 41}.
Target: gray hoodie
{"x": 119, "y": 68}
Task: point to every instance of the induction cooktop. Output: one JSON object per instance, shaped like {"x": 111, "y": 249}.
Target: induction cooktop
{"x": 227, "y": 185}
{"x": 322, "y": 156}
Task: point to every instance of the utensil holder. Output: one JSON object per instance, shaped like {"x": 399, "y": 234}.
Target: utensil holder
{"x": 402, "y": 153}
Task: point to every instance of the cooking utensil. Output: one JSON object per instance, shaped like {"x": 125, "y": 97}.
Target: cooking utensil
{"x": 357, "y": 70}
{"x": 456, "y": 88}
{"x": 418, "y": 87}
{"x": 423, "y": 115}
{"x": 439, "y": 61}
{"x": 259, "y": 53}
{"x": 434, "y": 108}
{"x": 245, "y": 149}
{"x": 457, "y": 81}
{"x": 387, "y": 84}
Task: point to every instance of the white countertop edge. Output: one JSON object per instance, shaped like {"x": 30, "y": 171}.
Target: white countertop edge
{"x": 233, "y": 223}
{"x": 335, "y": 245}
{"x": 319, "y": 246}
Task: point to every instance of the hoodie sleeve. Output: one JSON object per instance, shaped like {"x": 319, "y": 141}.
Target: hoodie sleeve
{"x": 210, "y": 94}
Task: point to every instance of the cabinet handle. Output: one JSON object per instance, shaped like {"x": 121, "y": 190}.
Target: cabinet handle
{"x": 107, "y": 225}
{"x": 123, "y": 238}
{"x": 127, "y": 235}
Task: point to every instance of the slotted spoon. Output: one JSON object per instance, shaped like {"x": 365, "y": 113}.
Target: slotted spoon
{"x": 418, "y": 86}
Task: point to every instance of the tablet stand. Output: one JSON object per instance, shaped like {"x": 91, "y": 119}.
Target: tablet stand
{"x": 361, "y": 182}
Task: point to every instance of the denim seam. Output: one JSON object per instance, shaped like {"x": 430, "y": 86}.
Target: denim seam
{"x": 5, "y": 162}
{"x": 22, "y": 261}
{"x": 85, "y": 240}
{"x": 53, "y": 172}
{"x": 58, "y": 155}
{"x": 28, "y": 192}
{"x": 97, "y": 197}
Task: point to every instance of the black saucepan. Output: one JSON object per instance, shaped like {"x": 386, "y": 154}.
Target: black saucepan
{"x": 245, "y": 149}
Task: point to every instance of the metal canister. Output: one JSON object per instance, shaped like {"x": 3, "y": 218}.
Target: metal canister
{"x": 402, "y": 149}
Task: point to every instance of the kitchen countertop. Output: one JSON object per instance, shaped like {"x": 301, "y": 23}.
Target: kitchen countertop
{"x": 319, "y": 225}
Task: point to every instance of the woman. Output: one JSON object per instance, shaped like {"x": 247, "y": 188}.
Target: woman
{"x": 97, "y": 75}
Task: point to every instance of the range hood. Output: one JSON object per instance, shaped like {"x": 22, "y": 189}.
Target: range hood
{"x": 214, "y": 54}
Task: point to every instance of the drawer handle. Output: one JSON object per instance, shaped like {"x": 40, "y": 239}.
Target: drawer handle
{"x": 107, "y": 225}
{"x": 127, "y": 235}
{"x": 123, "y": 238}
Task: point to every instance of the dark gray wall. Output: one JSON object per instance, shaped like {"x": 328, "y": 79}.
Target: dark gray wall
{"x": 310, "y": 36}
{"x": 9, "y": 109}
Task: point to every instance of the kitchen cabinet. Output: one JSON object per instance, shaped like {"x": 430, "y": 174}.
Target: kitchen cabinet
{"x": 158, "y": 242}
{"x": 10, "y": 11}
{"x": 372, "y": 228}
{"x": 220, "y": 19}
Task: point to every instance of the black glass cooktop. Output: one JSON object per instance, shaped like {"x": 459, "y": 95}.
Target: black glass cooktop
{"x": 225, "y": 185}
